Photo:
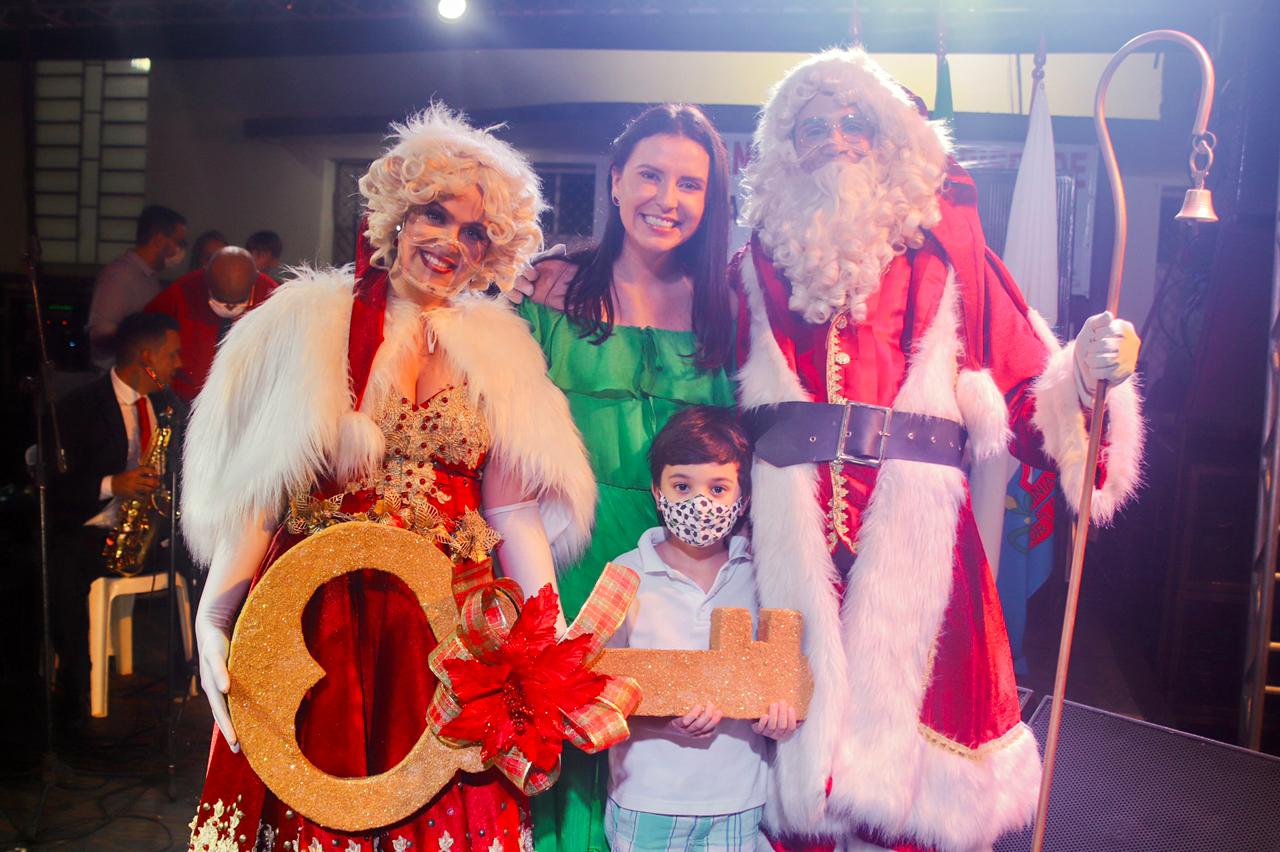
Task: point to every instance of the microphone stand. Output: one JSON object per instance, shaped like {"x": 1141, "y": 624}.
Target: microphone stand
{"x": 40, "y": 387}
{"x": 171, "y": 695}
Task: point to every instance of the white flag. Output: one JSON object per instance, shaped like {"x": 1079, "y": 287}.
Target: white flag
{"x": 1031, "y": 246}
{"x": 1031, "y": 253}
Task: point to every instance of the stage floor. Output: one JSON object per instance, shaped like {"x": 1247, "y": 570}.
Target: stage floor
{"x": 112, "y": 789}
{"x": 114, "y": 792}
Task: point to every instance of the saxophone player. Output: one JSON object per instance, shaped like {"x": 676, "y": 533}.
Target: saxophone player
{"x": 106, "y": 427}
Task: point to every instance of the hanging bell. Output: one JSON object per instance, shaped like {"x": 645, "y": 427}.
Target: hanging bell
{"x": 1197, "y": 206}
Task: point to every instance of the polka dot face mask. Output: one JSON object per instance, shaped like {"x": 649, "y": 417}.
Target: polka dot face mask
{"x": 699, "y": 521}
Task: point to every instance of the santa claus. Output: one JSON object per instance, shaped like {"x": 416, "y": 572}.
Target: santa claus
{"x": 884, "y": 348}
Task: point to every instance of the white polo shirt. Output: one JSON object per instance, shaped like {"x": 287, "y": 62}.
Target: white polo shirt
{"x": 657, "y": 770}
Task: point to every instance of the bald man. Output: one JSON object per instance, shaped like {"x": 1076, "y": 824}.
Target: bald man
{"x": 205, "y": 303}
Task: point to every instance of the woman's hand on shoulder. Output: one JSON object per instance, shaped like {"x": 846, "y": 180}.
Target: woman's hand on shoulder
{"x": 545, "y": 280}
{"x": 553, "y": 281}
{"x": 526, "y": 282}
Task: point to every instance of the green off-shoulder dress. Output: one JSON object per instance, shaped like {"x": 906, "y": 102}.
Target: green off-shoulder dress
{"x": 621, "y": 393}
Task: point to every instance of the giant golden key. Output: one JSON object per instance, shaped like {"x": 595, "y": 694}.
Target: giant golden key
{"x": 271, "y": 672}
{"x": 740, "y": 675}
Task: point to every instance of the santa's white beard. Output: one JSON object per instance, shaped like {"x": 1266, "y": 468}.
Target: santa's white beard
{"x": 833, "y": 232}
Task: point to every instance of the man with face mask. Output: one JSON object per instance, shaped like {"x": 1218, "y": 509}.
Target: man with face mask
{"x": 125, "y": 285}
{"x": 205, "y": 303}
{"x": 882, "y": 342}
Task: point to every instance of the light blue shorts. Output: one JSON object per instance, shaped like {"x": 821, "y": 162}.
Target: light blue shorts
{"x": 637, "y": 831}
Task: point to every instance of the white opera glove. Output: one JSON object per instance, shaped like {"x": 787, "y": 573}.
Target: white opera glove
{"x": 527, "y": 280}
{"x": 525, "y": 552}
{"x": 225, "y": 588}
{"x": 1106, "y": 350}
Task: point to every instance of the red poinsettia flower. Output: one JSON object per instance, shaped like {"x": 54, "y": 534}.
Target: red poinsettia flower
{"x": 517, "y": 695}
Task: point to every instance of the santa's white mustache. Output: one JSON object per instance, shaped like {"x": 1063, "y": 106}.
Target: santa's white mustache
{"x": 841, "y": 186}
{"x": 828, "y": 152}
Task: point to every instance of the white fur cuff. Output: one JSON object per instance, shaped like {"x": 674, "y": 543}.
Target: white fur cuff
{"x": 1061, "y": 421}
{"x": 984, "y": 412}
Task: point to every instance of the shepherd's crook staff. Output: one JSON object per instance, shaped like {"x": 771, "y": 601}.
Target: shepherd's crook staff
{"x": 1197, "y": 206}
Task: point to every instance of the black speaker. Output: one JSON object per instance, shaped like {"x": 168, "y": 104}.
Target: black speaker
{"x": 1126, "y": 786}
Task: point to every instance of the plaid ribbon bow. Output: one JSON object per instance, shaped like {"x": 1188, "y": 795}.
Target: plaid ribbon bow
{"x": 507, "y": 684}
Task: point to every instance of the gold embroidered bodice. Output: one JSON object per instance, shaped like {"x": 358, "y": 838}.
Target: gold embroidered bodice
{"x": 445, "y": 429}
{"x": 432, "y": 452}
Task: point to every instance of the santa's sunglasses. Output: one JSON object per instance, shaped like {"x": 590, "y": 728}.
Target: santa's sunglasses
{"x": 856, "y": 130}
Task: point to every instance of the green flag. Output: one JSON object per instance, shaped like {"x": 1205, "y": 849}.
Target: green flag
{"x": 942, "y": 105}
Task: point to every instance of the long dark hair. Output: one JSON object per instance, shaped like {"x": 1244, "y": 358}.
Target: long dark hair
{"x": 588, "y": 299}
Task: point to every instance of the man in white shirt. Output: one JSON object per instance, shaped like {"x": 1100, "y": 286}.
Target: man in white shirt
{"x": 105, "y": 426}
{"x": 129, "y": 282}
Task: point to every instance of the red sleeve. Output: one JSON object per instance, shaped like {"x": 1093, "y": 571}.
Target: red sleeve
{"x": 1016, "y": 355}
{"x": 263, "y": 287}
{"x": 167, "y": 301}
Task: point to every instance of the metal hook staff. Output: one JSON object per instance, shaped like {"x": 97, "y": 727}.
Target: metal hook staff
{"x": 1197, "y": 206}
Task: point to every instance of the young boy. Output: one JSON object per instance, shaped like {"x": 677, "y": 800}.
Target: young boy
{"x": 696, "y": 782}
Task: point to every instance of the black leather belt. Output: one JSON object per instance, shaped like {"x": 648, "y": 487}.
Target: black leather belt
{"x": 806, "y": 432}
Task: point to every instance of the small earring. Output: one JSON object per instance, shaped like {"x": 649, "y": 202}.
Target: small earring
{"x": 616, "y": 201}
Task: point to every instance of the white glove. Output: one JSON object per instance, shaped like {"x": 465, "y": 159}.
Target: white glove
{"x": 527, "y": 280}
{"x": 225, "y": 589}
{"x": 525, "y": 553}
{"x": 1106, "y": 350}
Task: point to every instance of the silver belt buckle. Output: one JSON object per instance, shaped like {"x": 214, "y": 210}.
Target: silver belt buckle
{"x": 842, "y": 456}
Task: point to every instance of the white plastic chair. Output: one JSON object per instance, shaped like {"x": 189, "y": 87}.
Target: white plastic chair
{"x": 111, "y": 602}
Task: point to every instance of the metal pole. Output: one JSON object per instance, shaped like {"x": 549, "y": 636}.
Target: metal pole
{"x": 1202, "y": 142}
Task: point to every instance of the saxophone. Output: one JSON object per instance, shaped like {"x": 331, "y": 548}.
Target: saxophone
{"x": 129, "y": 541}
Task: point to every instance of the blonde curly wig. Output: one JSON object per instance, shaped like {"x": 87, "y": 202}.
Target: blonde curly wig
{"x": 833, "y": 232}
{"x": 436, "y": 153}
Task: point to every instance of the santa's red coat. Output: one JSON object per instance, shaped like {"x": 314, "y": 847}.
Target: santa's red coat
{"x": 914, "y": 733}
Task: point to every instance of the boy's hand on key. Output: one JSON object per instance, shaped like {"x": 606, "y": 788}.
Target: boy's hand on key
{"x": 699, "y": 722}
{"x": 778, "y": 723}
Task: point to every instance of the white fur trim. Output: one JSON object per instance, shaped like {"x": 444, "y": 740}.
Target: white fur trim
{"x": 793, "y": 571}
{"x": 871, "y": 666}
{"x": 895, "y": 602}
{"x": 984, "y": 414}
{"x": 1061, "y": 421}
{"x": 966, "y": 802}
{"x": 534, "y": 435}
{"x": 361, "y": 445}
{"x": 277, "y": 412}
{"x": 267, "y": 418}
{"x": 765, "y": 378}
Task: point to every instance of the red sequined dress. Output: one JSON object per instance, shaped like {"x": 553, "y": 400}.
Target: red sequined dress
{"x": 372, "y": 640}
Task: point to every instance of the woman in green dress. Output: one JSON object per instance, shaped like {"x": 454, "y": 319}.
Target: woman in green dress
{"x": 634, "y": 329}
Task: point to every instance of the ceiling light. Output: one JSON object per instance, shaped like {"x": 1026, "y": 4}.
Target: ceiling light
{"x": 451, "y": 10}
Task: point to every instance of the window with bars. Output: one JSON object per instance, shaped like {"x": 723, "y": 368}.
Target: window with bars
{"x": 570, "y": 191}
{"x": 348, "y": 206}
{"x": 91, "y": 156}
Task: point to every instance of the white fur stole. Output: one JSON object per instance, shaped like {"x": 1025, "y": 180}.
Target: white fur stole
{"x": 277, "y": 412}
